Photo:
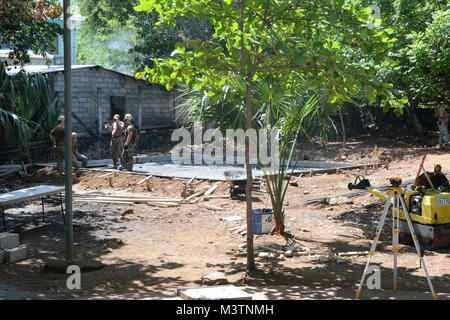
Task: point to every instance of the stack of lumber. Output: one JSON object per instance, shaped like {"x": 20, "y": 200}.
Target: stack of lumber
{"x": 126, "y": 199}
{"x": 241, "y": 230}
{"x": 204, "y": 194}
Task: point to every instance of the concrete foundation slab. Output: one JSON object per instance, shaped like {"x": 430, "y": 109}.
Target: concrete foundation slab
{"x": 163, "y": 166}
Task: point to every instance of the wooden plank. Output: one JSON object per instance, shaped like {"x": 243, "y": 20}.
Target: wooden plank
{"x": 353, "y": 253}
{"x": 24, "y": 168}
{"x": 88, "y": 130}
{"x": 106, "y": 175}
{"x": 135, "y": 200}
{"x": 190, "y": 181}
{"x": 125, "y": 196}
{"x": 161, "y": 204}
{"x": 208, "y": 206}
{"x": 111, "y": 184}
{"x": 198, "y": 193}
{"x": 211, "y": 190}
{"x": 228, "y": 292}
{"x": 242, "y": 228}
{"x": 105, "y": 202}
{"x": 143, "y": 180}
{"x": 217, "y": 197}
{"x": 149, "y": 186}
{"x": 233, "y": 218}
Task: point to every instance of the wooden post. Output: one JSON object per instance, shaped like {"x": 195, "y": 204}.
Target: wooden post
{"x": 149, "y": 186}
{"x": 99, "y": 112}
{"x": 24, "y": 168}
{"x": 111, "y": 182}
{"x": 311, "y": 173}
{"x": 365, "y": 170}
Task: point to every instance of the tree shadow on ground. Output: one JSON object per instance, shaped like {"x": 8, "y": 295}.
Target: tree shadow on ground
{"x": 332, "y": 280}
{"x": 46, "y": 242}
{"x": 140, "y": 280}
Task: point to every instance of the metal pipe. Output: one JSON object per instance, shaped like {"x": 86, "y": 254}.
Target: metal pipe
{"x": 68, "y": 230}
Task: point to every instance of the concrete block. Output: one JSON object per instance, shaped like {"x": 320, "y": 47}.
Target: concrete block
{"x": 2, "y": 256}
{"x": 9, "y": 240}
{"x": 13, "y": 255}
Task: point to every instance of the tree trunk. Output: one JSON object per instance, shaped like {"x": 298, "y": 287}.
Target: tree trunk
{"x": 344, "y": 140}
{"x": 248, "y": 191}
{"x": 414, "y": 118}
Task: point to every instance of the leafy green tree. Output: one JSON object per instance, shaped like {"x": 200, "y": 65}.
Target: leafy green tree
{"x": 293, "y": 42}
{"x": 115, "y": 36}
{"x": 429, "y": 57}
{"x": 25, "y": 25}
{"x": 28, "y": 110}
{"x": 419, "y": 54}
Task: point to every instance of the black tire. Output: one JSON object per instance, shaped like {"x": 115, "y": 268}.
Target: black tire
{"x": 405, "y": 238}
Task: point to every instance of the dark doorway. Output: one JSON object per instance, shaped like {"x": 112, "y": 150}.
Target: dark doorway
{"x": 117, "y": 104}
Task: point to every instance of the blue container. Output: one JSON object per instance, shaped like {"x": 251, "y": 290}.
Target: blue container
{"x": 262, "y": 221}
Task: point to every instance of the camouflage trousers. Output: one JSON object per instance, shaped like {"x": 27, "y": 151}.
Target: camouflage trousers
{"x": 128, "y": 157}
{"x": 59, "y": 151}
{"x": 116, "y": 149}
{"x": 443, "y": 134}
{"x": 79, "y": 157}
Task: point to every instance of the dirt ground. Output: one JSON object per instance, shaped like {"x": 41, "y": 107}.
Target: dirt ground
{"x": 149, "y": 251}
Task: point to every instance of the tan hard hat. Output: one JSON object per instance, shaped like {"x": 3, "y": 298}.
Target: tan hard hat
{"x": 74, "y": 134}
{"x": 116, "y": 116}
{"x": 128, "y": 117}
{"x": 61, "y": 118}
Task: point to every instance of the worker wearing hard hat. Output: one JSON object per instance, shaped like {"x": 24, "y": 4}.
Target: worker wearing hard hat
{"x": 57, "y": 137}
{"x": 76, "y": 156}
{"x": 116, "y": 146}
{"x": 130, "y": 143}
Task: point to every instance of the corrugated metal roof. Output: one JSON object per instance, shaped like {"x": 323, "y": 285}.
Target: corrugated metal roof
{"x": 57, "y": 68}
{"x": 4, "y": 53}
{"x": 42, "y": 68}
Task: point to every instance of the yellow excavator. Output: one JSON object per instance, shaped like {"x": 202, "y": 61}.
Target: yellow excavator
{"x": 428, "y": 204}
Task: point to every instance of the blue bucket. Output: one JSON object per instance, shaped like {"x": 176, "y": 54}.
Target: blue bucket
{"x": 262, "y": 220}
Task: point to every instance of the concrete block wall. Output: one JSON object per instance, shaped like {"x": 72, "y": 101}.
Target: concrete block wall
{"x": 8, "y": 240}
{"x": 10, "y": 249}
{"x": 93, "y": 87}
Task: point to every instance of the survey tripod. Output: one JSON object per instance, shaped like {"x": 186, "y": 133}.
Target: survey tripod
{"x": 395, "y": 199}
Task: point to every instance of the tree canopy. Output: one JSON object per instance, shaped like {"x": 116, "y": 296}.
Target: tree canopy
{"x": 25, "y": 25}
{"x": 292, "y": 44}
{"x": 116, "y": 36}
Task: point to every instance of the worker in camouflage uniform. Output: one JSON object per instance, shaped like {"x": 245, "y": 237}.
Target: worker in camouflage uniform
{"x": 57, "y": 137}
{"x": 130, "y": 143}
{"x": 116, "y": 146}
{"x": 76, "y": 156}
{"x": 443, "y": 126}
